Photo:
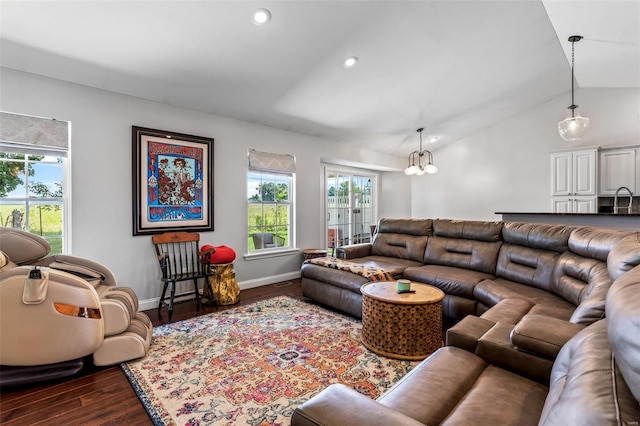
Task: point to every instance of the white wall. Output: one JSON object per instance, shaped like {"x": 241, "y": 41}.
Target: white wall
{"x": 102, "y": 179}
{"x": 506, "y": 167}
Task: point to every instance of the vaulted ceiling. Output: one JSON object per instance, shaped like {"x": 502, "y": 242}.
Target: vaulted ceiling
{"x": 452, "y": 67}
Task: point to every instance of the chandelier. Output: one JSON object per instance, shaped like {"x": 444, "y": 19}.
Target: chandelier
{"x": 419, "y": 169}
{"x": 574, "y": 126}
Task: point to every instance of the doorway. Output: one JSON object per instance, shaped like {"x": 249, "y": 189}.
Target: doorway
{"x": 350, "y": 207}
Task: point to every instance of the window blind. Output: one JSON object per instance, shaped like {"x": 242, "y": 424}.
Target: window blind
{"x": 269, "y": 162}
{"x": 25, "y": 134}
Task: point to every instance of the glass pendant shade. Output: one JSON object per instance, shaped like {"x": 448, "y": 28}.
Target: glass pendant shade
{"x": 431, "y": 169}
{"x": 412, "y": 170}
{"x": 574, "y": 126}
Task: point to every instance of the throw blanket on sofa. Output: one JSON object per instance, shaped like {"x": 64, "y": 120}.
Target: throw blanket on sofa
{"x": 369, "y": 272}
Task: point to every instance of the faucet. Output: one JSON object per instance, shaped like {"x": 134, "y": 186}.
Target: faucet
{"x": 616, "y": 208}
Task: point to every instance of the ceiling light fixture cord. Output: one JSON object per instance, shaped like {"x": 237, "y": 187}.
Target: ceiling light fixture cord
{"x": 573, "y": 54}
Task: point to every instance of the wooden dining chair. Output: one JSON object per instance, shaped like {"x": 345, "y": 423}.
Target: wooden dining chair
{"x": 180, "y": 259}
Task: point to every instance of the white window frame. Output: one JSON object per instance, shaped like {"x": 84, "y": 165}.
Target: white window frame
{"x": 372, "y": 174}
{"x": 28, "y": 200}
{"x": 287, "y": 171}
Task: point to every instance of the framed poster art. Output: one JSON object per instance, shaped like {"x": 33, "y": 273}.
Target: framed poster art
{"x": 172, "y": 182}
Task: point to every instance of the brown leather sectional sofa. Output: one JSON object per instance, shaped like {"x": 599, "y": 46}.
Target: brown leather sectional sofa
{"x": 595, "y": 381}
{"x": 554, "y": 270}
{"x": 549, "y": 335}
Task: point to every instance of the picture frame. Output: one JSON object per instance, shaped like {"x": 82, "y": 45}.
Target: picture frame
{"x": 172, "y": 182}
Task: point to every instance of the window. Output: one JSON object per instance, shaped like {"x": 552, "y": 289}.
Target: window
{"x": 270, "y": 183}
{"x": 31, "y": 191}
{"x": 33, "y": 176}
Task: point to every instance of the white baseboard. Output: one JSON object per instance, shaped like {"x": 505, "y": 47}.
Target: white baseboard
{"x": 143, "y": 305}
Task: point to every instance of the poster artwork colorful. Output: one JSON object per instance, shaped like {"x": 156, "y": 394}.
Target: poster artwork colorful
{"x": 174, "y": 182}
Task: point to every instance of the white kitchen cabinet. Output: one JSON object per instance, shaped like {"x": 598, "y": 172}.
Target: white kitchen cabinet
{"x": 574, "y": 172}
{"x": 574, "y": 204}
{"x": 618, "y": 167}
{"x": 574, "y": 179}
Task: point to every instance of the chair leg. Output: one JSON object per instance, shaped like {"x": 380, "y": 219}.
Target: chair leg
{"x": 173, "y": 293}
{"x": 197, "y": 292}
{"x": 164, "y": 291}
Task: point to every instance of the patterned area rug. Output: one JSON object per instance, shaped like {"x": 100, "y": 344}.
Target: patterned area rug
{"x": 253, "y": 365}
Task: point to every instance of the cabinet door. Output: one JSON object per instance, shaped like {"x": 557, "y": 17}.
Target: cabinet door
{"x": 584, "y": 172}
{"x": 584, "y": 205}
{"x": 561, "y": 205}
{"x": 617, "y": 168}
{"x": 561, "y": 171}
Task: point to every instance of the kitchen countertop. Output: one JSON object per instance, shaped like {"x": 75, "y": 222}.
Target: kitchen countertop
{"x": 573, "y": 214}
{"x": 626, "y": 221}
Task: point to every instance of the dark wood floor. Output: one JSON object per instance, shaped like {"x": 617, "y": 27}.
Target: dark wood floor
{"x": 104, "y": 396}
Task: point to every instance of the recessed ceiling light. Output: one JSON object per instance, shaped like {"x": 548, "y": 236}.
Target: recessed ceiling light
{"x": 433, "y": 139}
{"x": 261, "y": 16}
{"x": 350, "y": 62}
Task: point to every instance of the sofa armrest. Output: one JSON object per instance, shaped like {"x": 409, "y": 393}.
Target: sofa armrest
{"x": 543, "y": 335}
{"x": 353, "y": 251}
{"x": 466, "y": 333}
{"x": 495, "y": 347}
{"x": 340, "y": 405}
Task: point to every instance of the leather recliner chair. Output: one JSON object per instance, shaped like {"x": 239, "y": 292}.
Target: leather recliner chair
{"x": 50, "y": 324}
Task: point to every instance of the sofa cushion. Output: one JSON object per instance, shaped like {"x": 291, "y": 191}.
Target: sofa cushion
{"x": 560, "y": 312}
{"x": 586, "y": 387}
{"x": 334, "y": 277}
{"x": 623, "y": 316}
{"x": 417, "y": 227}
{"x": 526, "y": 265}
{"x": 451, "y": 280}
{"x": 468, "y": 254}
{"x": 624, "y": 256}
{"x": 595, "y": 243}
{"x": 537, "y": 235}
{"x": 500, "y": 397}
{"x": 446, "y": 377}
{"x": 584, "y": 282}
{"x": 490, "y": 292}
{"x": 468, "y": 230}
{"x": 400, "y": 246}
{"x": 508, "y": 311}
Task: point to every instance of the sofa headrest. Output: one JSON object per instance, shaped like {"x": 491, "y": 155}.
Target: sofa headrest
{"x": 624, "y": 255}
{"x": 23, "y": 247}
{"x": 537, "y": 235}
{"x": 623, "y": 327}
{"x": 468, "y": 229}
{"x": 417, "y": 227}
{"x": 595, "y": 243}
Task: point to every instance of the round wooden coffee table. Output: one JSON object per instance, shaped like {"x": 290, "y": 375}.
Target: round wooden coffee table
{"x": 402, "y": 326}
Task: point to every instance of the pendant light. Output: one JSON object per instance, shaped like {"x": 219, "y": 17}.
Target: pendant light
{"x": 574, "y": 126}
{"x": 419, "y": 169}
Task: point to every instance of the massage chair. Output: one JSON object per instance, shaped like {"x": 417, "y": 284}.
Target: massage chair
{"x": 58, "y": 312}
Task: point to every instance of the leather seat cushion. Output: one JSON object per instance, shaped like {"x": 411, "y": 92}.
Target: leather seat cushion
{"x": 490, "y": 292}
{"x": 500, "y": 397}
{"x": 334, "y": 277}
{"x": 451, "y": 280}
{"x": 459, "y": 384}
